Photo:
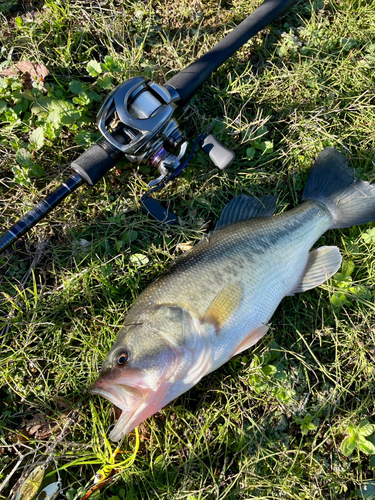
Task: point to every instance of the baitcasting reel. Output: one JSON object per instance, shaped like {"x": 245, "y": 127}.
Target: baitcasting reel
{"x": 142, "y": 111}
{"x": 136, "y": 119}
{"x": 136, "y": 122}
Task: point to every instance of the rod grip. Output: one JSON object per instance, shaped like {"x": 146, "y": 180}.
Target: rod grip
{"x": 94, "y": 163}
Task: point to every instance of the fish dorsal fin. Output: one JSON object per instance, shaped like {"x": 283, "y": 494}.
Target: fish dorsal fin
{"x": 322, "y": 263}
{"x": 226, "y": 302}
{"x": 245, "y": 207}
{"x": 251, "y": 339}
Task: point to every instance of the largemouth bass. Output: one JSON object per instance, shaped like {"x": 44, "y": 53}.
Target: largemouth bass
{"x": 218, "y": 299}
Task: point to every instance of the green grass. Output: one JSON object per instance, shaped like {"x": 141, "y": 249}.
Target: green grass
{"x": 270, "y": 423}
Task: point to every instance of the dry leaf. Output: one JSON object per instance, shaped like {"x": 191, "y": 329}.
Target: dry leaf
{"x": 29, "y": 71}
{"x": 40, "y": 426}
{"x": 184, "y": 247}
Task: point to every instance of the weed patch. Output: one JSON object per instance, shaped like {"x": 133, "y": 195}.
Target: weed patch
{"x": 289, "y": 418}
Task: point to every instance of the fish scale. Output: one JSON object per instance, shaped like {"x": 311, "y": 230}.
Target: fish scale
{"x": 217, "y": 299}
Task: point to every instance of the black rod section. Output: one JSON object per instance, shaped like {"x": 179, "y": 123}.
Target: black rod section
{"x": 190, "y": 79}
{"x": 39, "y": 211}
{"x": 90, "y": 167}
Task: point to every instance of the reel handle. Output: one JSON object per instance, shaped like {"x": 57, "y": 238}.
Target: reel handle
{"x": 219, "y": 154}
{"x": 157, "y": 211}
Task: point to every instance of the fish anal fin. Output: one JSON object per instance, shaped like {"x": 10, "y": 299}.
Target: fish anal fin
{"x": 251, "y": 339}
{"x": 226, "y": 302}
{"x": 322, "y": 264}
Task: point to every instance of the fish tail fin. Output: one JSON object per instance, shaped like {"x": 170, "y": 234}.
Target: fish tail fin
{"x": 350, "y": 201}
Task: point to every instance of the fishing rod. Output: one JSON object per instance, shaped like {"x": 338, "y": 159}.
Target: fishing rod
{"x": 136, "y": 123}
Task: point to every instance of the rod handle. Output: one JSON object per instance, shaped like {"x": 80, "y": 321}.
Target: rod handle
{"x": 94, "y": 163}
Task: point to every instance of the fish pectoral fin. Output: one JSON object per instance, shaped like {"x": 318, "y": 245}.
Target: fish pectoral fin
{"x": 322, "y": 263}
{"x": 226, "y": 302}
{"x": 244, "y": 207}
{"x": 251, "y": 339}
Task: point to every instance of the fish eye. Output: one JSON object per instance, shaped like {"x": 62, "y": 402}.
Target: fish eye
{"x": 122, "y": 358}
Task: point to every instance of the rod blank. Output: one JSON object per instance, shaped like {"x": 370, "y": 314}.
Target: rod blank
{"x": 190, "y": 79}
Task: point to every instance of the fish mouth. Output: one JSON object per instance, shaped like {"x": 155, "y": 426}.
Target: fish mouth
{"x": 136, "y": 405}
